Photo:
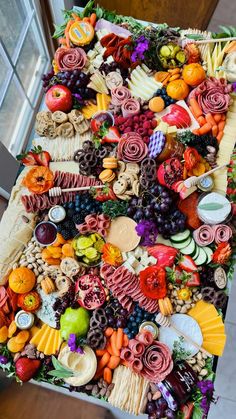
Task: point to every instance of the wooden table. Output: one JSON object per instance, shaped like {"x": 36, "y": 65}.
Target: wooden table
{"x": 193, "y": 13}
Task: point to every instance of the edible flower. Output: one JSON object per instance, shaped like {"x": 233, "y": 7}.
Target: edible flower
{"x": 111, "y": 254}
{"x": 207, "y": 389}
{"x": 222, "y": 254}
{"x": 148, "y": 231}
{"x": 142, "y": 45}
{"x": 184, "y": 294}
{"x": 191, "y": 157}
{"x": 153, "y": 282}
{"x": 3, "y": 360}
{"x": 73, "y": 344}
{"x": 38, "y": 180}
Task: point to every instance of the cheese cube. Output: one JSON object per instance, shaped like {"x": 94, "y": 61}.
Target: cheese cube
{"x": 131, "y": 260}
{"x": 152, "y": 260}
{"x": 127, "y": 266}
{"x": 124, "y": 256}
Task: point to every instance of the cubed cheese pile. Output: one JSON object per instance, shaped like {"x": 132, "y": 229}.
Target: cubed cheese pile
{"x": 141, "y": 84}
{"x": 137, "y": 260}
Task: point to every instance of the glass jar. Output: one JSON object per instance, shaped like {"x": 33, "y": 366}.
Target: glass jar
{"x": 172, "y": 148}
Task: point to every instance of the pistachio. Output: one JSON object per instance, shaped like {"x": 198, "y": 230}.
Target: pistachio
{"x": 196, "y": 368}
{"x": 30, "y": 266}
{"x": 23, "y": 263}
{"x": 199, "y": 296}
{"x": 201, "y": 363}
{"x": 199, "y": 355}
{"x": 178, "y": 308}
{"x": 180, "y": 302}
{"x": 36, "y": 272}
{"x": 157, "y": 395}
{"x": 191, "y": 361}
{"x": 188, "y": 306}
{"x": 38, "y": 256}
{"x": 183, "y": 310}
{"x": 203, "y": 372}
{"x": 31, "y": 259}
{"x": 40, "y": 261}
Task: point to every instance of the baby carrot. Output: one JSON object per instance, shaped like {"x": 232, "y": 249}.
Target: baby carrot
{"x": 174, "y": 77}
{"x": 195, "y": 131}
{"x": 93, "y": 19}
{"x": 125, "y": 340}
{"x": 223, "y": 117}
{"x": 210, "y": 119}
{"x": 195, "y": 107}
{"x": 100, "y": 352}
{"x": 104, "y": 361}
{"x": 86, "y": 19}
{"x": 217, "y": 117}
{"x": 219, "y": 136}
{"x": 205, "y": 129}
{"x": 119, "y": 338}
{"x": 214, "y": 130}
{"x": 114, "y": 348}
{"x": 98, "y": 374}
{"x": 113, "y": 362}
{"x": 75, "y": 17}
{"x": 221, "y": 125}
{"x": 174, "y": 71}
{"x": 109, "y": 349}
{"x": 201, "y": 120}
{"x": 107, "y": 375}
{"x": 108, "y": 332}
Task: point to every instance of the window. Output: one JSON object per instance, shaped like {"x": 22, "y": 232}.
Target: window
{"x": 23, "y": 59}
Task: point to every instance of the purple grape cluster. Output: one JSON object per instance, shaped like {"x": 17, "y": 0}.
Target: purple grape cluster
{"x": 61, "y": 304}
{"x": 159, "y": 409}
{"x": 107, "y": 68}
{"x": 116, "y": 314}
{"x": 75, "y": 80}
{"x": 158, "y": 205}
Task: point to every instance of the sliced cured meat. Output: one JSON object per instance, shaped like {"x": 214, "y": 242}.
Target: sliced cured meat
{"x": 68, "y": 59}
{"x": 213, "y": 95}
{"x": 131, "y": 148}
{"x": 157, "y": 362}
{"x": 136, "y": 365}
{"x": 222, "y": 233}
{"x": 145, "y": 337}
{"x": 136, "y": 347}
{"x": 126, "y": 354}
{"x": 130, "y": 107}
{"x": 204, "y": 235}
{"x": 119, "y": 95}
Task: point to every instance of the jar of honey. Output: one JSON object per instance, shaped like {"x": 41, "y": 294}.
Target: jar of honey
{"x": 171, "y": 148}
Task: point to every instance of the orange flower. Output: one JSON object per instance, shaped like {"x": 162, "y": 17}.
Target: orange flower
{"x": 222, "y": 254}
{"x": 38, "y": 180}
{"x": 111, "y": 255}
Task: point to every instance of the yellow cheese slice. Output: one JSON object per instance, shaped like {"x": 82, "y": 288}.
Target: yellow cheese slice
{"x": 217, "y": 338}
{"x": 202, "y": 311}
{"x": 48, "y": 350}
{"x": 211, "y": 328}
{"x": 214, "y": 348}
{"x": 33, "y": 331}
{"x": 57, "y": 342}
{"x": 44, "y": 339}
{"x": 215, "y": 321}
{"x": 38, "y": 336}
{"x": 89, "y": 110}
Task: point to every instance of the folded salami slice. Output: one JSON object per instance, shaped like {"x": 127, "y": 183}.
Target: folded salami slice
{"x": 126, "y": 354}
{"x": 130, "y": 107}
{"x": 131, "y": 148}
{"x": 204, "y": 235}
{"x": 136, "y": 365}
{"x": 157, "y": 362}
{"x": 119, "y": 95}
{"x": 136, "y": 347}
{"x": 145, "y": 337}
{"x": 222, "y": 233}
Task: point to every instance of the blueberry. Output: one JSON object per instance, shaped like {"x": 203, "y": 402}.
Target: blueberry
{"x": 126, "y": 330}
{"x": 71, "y": 205}
{"x": 146, "y": 315}
{"x": 131, "y": 318}
{"x": 134, "y": 324}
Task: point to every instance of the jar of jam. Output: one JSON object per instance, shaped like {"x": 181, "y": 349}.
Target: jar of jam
{"x": 172, "y": 148}
{"x": 180, "y": 382}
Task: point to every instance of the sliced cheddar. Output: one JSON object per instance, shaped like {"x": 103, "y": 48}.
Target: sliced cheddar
{"x": 214, "y": 348}
{"x": 48, "y": 350}
{"x": 38, "y": 336}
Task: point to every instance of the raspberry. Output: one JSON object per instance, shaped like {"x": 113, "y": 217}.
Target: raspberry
{"x": 146, "y": 125}
{"x": 121, "y": 127}
{"x": 136, "y": 118}
{"x": 122, "y": 119}
{"x": 154, "y": 123}
{"x": 150, "y": 114}
{"x": 117, "y": 120}
{"x": 146, "y": 139}
{"x": 128, "y": 129}
{"x": 141, "y": 131}
{"x": 135, "y": 126}
{"x": 142, "y": 118}
{"x": 150, "y": 131}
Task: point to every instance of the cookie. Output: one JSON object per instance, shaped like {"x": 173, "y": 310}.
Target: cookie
{"x": 120, "y": 186}
{"x": 132, "y": 168}
{"x": 121, "y": 166}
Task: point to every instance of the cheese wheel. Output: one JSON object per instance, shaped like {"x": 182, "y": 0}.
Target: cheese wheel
{"x": 81, "y": 33}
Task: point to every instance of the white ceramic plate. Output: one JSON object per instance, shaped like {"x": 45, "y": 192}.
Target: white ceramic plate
{"x": 188, "y": 326}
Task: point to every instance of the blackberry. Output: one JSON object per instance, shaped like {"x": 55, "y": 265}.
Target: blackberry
{"x": 68, "y": 225}
{"x": 59, "y": 227}
{"x": 70, "y": 212}
{"x": 78, "y": 218}
{"x": 66, "y": 234}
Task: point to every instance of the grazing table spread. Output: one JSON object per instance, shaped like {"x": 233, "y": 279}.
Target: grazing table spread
{"x": 117, "y": 246}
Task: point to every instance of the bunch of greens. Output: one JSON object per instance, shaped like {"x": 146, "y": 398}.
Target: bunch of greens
{"x": 226, "y": 32}
{"x": 114, "y": 208}
{"x": 179, "y": 353}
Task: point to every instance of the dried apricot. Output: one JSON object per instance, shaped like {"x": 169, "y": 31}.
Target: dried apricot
{"x": 59, "y": 241}
{"x": 13, "y": 346}
{"x": 52, "y": 261}
{"x": 22, "y": 337}
{"x": 12, "y": 329}
{"x": 67, "y": 250}
{"x": 45, "y": 254}
{"x": 3, "y": 334}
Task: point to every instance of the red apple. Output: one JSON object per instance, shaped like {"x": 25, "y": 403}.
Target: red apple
{"x": 59, "y": 98}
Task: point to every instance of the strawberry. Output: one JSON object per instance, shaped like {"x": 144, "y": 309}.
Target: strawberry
{"x": 112, "y": 135}
{"x": 26, "y": 368}
{"x": 187, "y": 263}
{"x": 104, "y": 194}
{"x": 42, "y": 157}
{"x": 193, "y": 279}
{"x": 28, "y": 159}
{"x": 187, "y": 410}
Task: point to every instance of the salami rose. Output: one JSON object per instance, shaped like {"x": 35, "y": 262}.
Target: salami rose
{"x": 131, "y": 148}
{"x": 119, "y": 95}
{"x": 204, "y": 235}
{"x": 130, "y": 107}
{"x": 145, "y": 337}
{"x": 222, "y": 233}
{"x": 136, "y": 347}
{"x": 213, "y": 95}
{"x": 68, "y": 59}
{"x": 136, "y": 365}
{"x": 157, "y": 362}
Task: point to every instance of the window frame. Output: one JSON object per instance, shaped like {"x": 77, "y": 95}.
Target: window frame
{"x": 33, "y": 95}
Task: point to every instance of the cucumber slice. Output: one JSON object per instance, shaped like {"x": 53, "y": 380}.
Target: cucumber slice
{"x": 190, "y": 249}
{"x": 208, "y": 252}
{"x": 182, "y": 245}
{"x": 202, "y": 257}
{"x": 180, "y": 237}
{"x": 196, "y": 253}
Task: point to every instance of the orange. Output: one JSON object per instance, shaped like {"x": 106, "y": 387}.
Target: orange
{"x": 156, "y": 104}
{"x": 22, "y": 280}
{"x": 193, "y": 74}
{"x": 177, "y": 89}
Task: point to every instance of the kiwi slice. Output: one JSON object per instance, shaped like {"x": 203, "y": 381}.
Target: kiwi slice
{"x": 165, "y": 51}
{"x": 99, "y": 245}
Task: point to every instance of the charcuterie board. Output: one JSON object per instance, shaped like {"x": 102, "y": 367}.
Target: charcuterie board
{"x": 117, "y": 244}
